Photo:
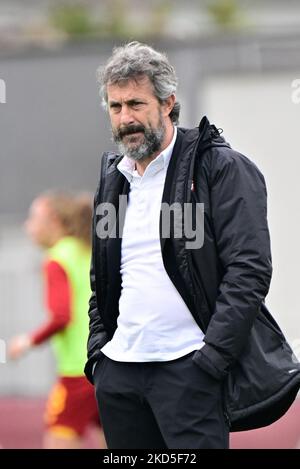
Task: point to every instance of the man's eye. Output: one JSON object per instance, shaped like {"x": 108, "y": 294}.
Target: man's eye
{"x": 115, "y": 107}
{"x": 136, "y": 105}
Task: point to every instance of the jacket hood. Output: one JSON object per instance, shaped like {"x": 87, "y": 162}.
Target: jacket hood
{"x": 208, "y": 135}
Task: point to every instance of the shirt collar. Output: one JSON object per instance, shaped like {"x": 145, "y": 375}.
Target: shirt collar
{"x": 127, "y": 165}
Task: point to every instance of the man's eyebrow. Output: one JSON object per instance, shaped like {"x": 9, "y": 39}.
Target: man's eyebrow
{"x": 129, "y": 102}
{"x": 113, "y": 103}
{"x": 134, "y": 101}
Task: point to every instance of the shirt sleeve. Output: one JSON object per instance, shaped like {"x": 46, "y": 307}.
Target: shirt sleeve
{"x": 58, "y": 302}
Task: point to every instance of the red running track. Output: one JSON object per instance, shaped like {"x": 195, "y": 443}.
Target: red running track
{"x": 21, "y": 427}
{"x": 21, "y": 424}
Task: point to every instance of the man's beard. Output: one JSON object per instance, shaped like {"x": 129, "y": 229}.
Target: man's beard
{"x": 152, "y": 142}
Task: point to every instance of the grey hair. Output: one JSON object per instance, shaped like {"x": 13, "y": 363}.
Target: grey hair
{"x": 133, "y": 61}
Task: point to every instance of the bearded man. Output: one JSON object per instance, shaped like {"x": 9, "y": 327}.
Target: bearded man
{"x": 182, "y": 348}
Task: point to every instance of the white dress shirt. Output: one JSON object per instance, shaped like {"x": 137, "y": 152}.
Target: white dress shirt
{"x": 154, "y": 323}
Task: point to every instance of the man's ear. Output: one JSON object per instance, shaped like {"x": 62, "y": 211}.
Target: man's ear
{"x": 168, "y": 105}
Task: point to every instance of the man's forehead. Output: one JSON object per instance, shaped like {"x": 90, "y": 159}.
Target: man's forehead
{"x": 139, "y": 84}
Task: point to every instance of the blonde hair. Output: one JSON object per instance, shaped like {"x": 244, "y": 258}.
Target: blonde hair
{"x": 83, "y": 217}
{"x": 73, "y": 211}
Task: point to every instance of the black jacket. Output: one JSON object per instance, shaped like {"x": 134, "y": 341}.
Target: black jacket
{"x": 224, "y": 283}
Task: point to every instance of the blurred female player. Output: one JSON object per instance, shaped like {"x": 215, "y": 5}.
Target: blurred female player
{"x": 61, "y": 224}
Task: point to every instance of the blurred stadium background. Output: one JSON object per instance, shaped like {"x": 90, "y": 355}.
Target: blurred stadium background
{"x": 236, "y": 62}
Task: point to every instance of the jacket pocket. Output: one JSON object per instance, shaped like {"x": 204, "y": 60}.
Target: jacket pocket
{"x": 265, "y": 317}
{"x": 260, "y": 373}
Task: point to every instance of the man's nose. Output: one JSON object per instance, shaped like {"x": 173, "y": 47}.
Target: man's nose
{"x": 126, "y": 117}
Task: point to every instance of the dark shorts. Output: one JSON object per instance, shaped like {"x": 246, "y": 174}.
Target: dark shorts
{"x": 71, "y": 407}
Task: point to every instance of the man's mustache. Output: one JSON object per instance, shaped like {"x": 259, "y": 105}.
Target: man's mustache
{"x": 128, "y": 130}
